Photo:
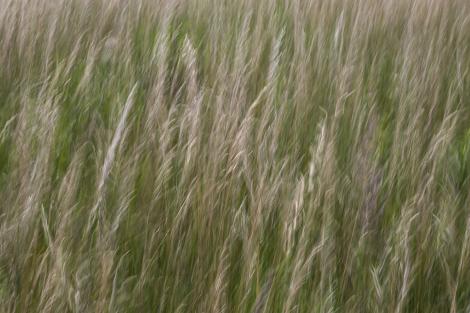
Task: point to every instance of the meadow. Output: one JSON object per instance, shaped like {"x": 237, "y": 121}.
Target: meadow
{"x": 234, "y": 156}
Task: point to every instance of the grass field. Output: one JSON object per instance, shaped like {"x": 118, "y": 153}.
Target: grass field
{"x": 235, "y": 156}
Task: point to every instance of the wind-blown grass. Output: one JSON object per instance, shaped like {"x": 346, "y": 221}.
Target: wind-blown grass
{"x": 234, "y": 156}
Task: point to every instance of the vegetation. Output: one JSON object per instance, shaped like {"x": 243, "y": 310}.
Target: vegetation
{"x": 234, "y": 156}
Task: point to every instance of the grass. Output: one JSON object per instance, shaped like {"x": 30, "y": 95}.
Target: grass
{"x": 234, "y": 156}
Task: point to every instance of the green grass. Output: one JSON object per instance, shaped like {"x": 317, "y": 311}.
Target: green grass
{"x": 234, "y": 156}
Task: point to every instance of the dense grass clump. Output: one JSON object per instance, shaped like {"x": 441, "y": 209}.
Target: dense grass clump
{"x": 234, "y": 156}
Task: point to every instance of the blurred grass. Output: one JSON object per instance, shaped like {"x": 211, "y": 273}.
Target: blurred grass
{"x": 278, "y": 156}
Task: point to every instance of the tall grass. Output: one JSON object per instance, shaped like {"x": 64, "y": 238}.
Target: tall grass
{"x": 234, "y": 156}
